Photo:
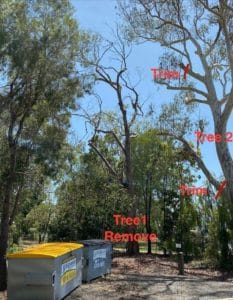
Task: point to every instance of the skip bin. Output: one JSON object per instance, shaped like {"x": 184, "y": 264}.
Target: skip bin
{"x": 97, "y": 256}
{"x": 45, "y": 272}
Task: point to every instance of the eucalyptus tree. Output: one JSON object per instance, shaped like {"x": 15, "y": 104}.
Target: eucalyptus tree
{"x": 197, "y": 33}
{"x": 39, "y": 84}
{"x": 119, "y": 127}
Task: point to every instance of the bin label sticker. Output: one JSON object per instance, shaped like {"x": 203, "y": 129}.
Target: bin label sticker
{"x": 68, "y": 270}
{"x": 100, "y": 253}
{"x": 99, "y": 257}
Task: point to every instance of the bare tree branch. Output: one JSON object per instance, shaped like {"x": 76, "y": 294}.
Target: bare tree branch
{"x": 193, "y": 154}
{"x": 108, "y": 165}
{"x": 183, "y": 88}
{"x": 115, "y": 137}
{"x": 194, "y": 100}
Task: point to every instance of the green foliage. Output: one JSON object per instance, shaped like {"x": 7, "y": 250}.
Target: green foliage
{"x": 39, "y": 44}
{"x": 40, "y": 218}
{"x": 212, "y": 251}
{"x": 160, "y": 166}
{"x": 186, "y": 228}
{"x": 87, "y": 201}
{"x": 14, "y": 248}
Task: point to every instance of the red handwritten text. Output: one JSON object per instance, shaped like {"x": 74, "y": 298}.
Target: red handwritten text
{"x": 185, "y": 190}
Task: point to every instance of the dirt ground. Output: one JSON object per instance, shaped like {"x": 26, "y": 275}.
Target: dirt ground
{"x": 150, "y": 277}
{"x": 154, "y": 277}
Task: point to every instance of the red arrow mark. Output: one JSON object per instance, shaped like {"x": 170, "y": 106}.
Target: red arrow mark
{"x": 186, "y": 69}
{"x": 222, "y": 186}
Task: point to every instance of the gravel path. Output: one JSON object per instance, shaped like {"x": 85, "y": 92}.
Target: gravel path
{"x": 147, "y": 278}
{"x": 153, "y": 287}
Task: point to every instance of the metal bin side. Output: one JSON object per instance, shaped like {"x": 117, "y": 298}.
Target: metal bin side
{"x": 45, "y": 272}
{"x": 97, "y": 258}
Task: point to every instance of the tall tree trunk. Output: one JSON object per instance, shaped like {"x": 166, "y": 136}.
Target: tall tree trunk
{"x": 4, "y": 233}
{"x": 119, "y": 84}
{"x": 148, "y": 209}
{"x": 226, "y": 163}
{"x": 225, "y": 159}
{"x": 5, "y": 218}
{"x": 132, "y": 248}
{"x": 3, "y": 247}
{"x": 148, "y": 230}
{"x": 164, "y": 219}
{"x": 223, "y": 152}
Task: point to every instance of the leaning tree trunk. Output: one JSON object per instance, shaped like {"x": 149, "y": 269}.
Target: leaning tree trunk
{"x": 226, "y": 162}
{"x": 223, "y": 152}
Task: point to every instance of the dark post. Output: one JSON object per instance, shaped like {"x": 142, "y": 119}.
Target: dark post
{"x": 181, "y": 263}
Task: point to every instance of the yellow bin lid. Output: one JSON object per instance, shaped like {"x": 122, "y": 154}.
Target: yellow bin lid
{"x": 48, "y": 250}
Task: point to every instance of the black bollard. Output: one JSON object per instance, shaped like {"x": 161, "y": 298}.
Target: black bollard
{"x": 181, "y": 263}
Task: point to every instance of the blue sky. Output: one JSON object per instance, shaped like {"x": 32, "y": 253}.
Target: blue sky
{"x": 101, "y": 15}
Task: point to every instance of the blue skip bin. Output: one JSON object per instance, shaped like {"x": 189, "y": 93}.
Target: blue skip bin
{"x": 97, "y": 258}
